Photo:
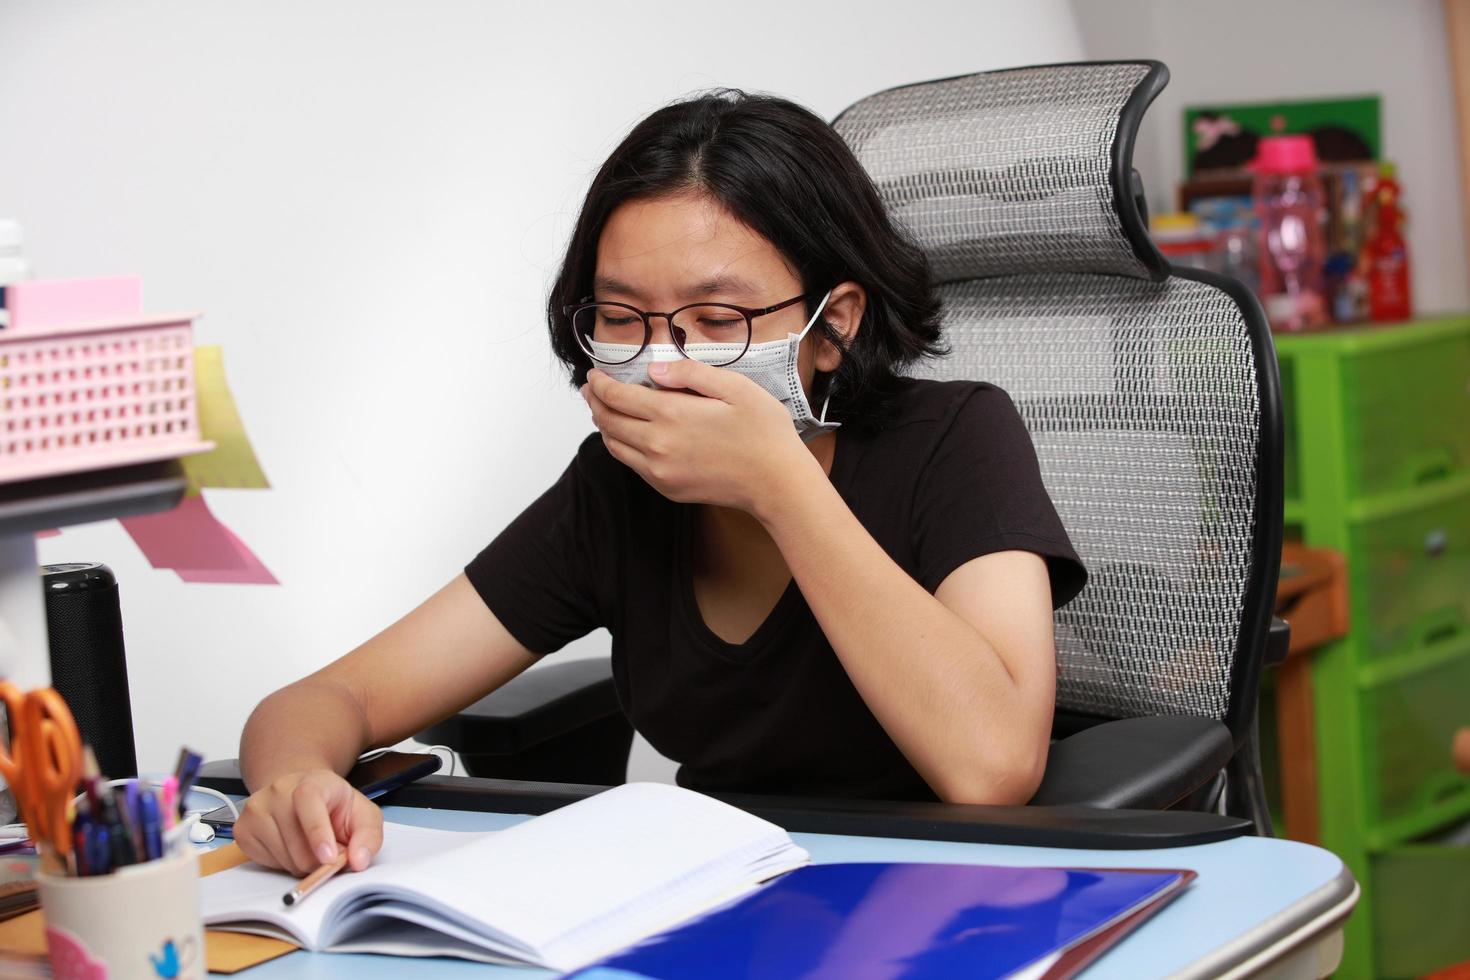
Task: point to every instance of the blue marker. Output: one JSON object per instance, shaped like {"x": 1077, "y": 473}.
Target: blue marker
{"x": 186, "y": 772}
{"x": 120, "y": 851}
{"x": 152, "y": 838}
{"x": 81, "y": 830}
{"x": 132, "y": 818}
{"x": 100, "y": 862}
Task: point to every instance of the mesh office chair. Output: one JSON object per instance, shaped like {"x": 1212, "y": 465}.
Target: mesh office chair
{"x": 1151, "y": 395}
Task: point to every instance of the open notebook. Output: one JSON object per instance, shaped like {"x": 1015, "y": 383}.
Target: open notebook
{"x": 559, "y": 891}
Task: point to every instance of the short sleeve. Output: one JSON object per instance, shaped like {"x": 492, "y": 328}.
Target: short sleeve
{"x": 541, "y": 575}
{"x": 982, "y": 492}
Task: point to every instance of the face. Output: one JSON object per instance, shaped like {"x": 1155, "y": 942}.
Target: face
{"x": 667, "y": 252}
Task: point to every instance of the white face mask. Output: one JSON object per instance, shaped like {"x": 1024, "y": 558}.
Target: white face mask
{"x": 771, "y": 365}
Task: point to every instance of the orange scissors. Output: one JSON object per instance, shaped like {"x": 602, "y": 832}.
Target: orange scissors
{"x": 42, "y": 763}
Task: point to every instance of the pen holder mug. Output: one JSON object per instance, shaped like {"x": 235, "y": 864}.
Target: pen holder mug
{"x": 141, "y": 922}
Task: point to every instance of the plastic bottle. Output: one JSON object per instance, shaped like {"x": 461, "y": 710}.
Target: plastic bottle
{"x": 1385, "y": 255}
{"x": 1288, "y": 200}
{"x": 1347, "y": 288}
{"x": 13, "y": 264}
{"x": 1232, "y": 223}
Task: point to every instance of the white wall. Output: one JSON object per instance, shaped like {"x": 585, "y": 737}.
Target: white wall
{"x": 1258, "y": 50}
{"x": 368, "y": 200}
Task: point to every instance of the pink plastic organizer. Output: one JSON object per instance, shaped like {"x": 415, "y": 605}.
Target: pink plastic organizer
{"x": 95, "y": 395}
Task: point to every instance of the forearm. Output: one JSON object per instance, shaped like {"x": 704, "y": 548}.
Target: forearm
{"x": 311, "y": 724}
{"x": 933, "y": 681}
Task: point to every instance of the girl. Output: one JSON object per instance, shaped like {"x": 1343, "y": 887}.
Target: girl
{"x": 855, "y": 601}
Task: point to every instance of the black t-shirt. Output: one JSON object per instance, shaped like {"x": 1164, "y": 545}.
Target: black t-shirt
{"x": 950, "y": 477}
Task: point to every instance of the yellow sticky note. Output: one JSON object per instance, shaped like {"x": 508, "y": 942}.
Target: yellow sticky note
{"x": 232, "y": 462}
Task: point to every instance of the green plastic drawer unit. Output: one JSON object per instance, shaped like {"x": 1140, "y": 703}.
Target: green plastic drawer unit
{"x": 1411, "y": 578}
{"x": 1377, "y": 429}
{"x": 1291, "y": 473}
{"x": 1421, "y": 914}
{"x": 1409, "y": 724}
{"x": 1407, "y": 412}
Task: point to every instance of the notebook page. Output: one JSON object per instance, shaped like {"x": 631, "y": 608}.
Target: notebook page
{"x": 411, "y": 932}
{"x": 543, "y": 879}
{"x": 396, "y": 928}
{"x": 251, "y": 893}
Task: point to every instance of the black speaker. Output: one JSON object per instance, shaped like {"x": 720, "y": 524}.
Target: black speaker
{"x": 88, "y": 665}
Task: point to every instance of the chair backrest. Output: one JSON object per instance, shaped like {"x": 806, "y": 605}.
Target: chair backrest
{"x": 1151, "y": 393}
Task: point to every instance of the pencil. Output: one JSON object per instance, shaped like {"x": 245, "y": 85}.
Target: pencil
{"x": 311, "y": 882}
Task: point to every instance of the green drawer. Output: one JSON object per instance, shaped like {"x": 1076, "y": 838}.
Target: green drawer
{"x": 1421, "y": 909}
{"x": 1410, "y": 578}
{"x": 1405, "y": 409}
{"x": 1291, "y": 468}
{"x": 1409, "y": 724}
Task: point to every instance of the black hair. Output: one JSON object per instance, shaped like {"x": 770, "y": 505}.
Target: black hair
{"x": 785, "y": 173}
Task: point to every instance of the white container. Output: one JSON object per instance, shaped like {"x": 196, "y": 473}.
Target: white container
{"x": 13, "y": 264}
{"x": 141, "y": 922}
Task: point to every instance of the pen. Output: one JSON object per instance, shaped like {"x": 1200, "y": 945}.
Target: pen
{"x": 148, "y": 819}
{"x": 123, "y": 827}
{"x": 81, "y": 847}
{"x": 122, "y": 848}
{"x": 313, "y": 881}
{"x": 91, "y": 774}
{"x": 132, "y": 815}
{"x": 101, "y": 852}
{"x": 169, "y": 799}
{"x": 186, "y": 772}
{"x": 81, "y": 841}
{"x": 119, "y": 839}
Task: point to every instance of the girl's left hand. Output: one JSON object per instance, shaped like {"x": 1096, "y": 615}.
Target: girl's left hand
{"x": 729, "y": 448}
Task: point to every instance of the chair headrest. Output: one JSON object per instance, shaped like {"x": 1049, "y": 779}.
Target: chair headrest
{"x": 1015, "y": 171}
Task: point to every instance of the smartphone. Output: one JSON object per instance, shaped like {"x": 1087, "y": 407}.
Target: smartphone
{"x": 391, "y": 770}
{"x": 372, "y": 779}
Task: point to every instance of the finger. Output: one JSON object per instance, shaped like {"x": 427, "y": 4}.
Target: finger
{"x": 634, "y": 400}
{"x": 268, "y": 836}
{"x": 367, "y": 833}
{"x": 696, "y": 376}
{"x": 298, "y": 852}
{"x": 249, "y": 839}
{"x": 315, "y": 820}
{"x": 609, "y": 421}
{"x": 630, "y": 456}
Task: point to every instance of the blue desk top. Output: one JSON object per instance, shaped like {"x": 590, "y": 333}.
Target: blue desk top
{"x": 1248, "y": 891}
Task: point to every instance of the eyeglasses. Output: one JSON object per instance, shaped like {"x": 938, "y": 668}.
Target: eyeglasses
{"x": 615, "y": 333}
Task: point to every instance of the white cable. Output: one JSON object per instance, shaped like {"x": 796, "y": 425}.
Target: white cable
{"x": 372, "y": 754}
{"x": 452, "y": 755}
{"x": 110, "y": 784}
{"x": 114, "y": 783}
{"x": 234, "y": 810}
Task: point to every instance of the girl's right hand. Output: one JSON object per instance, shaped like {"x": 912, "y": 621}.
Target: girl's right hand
{"x": 298, "y": 823}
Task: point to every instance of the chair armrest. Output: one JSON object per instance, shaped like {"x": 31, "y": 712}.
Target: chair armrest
{"x": 1028, "y": 826}
{"x": 1278, "y": 642}
{"x": 540, "y": 704}
{"x": 1140, "y": 763}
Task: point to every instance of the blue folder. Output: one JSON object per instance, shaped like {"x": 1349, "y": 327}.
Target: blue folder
{"x": 903, "y": 922}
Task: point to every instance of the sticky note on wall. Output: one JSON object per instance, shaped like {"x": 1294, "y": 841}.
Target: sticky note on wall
{"x": 232, "y": 463}
{"x": 251, "y": 571}
{"x": 190, "y": 540}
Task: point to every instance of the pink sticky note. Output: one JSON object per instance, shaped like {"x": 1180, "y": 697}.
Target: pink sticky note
{"x": 50, "y": 533}
{"x": 190, "y": 540}
{"x": 189, "y": 536}
{"x": 254, "y": 572}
